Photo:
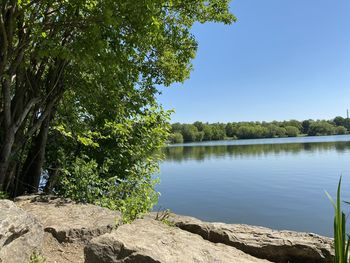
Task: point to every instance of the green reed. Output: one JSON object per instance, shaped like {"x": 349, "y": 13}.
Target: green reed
{"x": 341, "y": 239}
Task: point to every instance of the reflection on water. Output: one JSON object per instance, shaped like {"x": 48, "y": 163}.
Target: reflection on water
{"x": 279, "y": 184}
{"x": 200, "y": 153}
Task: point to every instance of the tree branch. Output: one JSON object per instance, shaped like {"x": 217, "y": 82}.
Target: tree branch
{"x": 25, "y": 112}
{"x": 7, "y": 102}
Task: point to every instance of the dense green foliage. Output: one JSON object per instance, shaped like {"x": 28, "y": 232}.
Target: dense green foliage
{"x": 78, "y": 94}
{"x": 200, "y": 131}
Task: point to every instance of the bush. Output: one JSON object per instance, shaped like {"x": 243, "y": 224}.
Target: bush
{"x": 133, "y": 196}
{"x": 115, "y": 166}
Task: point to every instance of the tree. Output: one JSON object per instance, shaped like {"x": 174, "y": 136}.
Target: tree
{"x": 246, "y": 132}
{"x": 176, "y": 138}
{"x": 199, "y": 125}
{"x": 292, "y": 131}
{"x": 339, "y": 121}
{"x": 340, "y": 130}
{"x": 199, "y": 136}
{"x": 218, "y": 131}
{"x": 293, "y": 123}
{"x": 86, "y": 72}
{"x": 208, "y": 132}
{"x": 189, "y": 132}
{"x": 231, "y": 130}
{"x": 305, "y": 126}
{"x": 276, "y": 131}
{"x": 320, "y": 128}
{"x": 176, "y": 127}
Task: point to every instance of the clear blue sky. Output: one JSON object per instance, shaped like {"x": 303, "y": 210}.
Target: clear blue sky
{"x": 283, "y": 59}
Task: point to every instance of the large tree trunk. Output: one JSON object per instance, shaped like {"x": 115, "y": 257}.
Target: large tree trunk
{"x": 5, "y": 159}
{"x": 27, "y": 83}
{"x": 53, "y": 175}
{"x": 32, "y": 168}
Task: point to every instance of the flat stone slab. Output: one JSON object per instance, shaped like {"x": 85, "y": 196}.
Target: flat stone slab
{"x": 274, "y": 245}
{"x": 151, "y": 241}
{"x": 20, "y": 234}
{"x": 68, "y": 221}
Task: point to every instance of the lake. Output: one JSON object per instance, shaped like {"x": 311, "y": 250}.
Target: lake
{"x": 277, "y": 183}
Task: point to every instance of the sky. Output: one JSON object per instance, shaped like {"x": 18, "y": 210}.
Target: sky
{"x": 283, "y": 59}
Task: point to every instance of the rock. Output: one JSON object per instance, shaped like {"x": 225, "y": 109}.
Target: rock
{"x": 55, "y": 252}
{"x": 68, "y": 221}
{"x": 277, "y": 246}
{"x": 151, "y": 241}
{"x": 20, "y": 234}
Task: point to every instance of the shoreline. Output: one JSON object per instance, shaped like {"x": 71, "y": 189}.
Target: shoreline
{"x": 284, "y": 140}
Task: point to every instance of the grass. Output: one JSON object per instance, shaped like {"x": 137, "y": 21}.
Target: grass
{"x": 164, "y": 216}
{"x": 36, "y": 258}
{"x": 341, "y": 239}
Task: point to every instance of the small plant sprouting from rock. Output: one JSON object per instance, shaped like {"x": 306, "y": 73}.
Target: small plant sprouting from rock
{"x": 37, "y": 258}
{"x": 164, "y": 216}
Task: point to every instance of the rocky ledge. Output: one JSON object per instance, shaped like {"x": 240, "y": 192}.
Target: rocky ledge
{"x": 151, "y": 241}
{"x": 64, "y": 231}
{"x": 261, "y": 242}
{"x": 68, "y": 221}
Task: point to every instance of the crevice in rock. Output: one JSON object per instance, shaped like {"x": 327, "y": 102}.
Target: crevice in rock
{"x": 281, "y": 253}
{"x": 14, "y": 236}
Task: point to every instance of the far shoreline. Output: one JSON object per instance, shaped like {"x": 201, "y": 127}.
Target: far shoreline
{"x": 276, "y": 140}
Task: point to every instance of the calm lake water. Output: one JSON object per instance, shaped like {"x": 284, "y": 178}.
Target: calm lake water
{"x": 277, "y": 183}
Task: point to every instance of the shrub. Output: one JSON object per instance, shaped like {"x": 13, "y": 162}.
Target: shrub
{"x": 133, "y": 196}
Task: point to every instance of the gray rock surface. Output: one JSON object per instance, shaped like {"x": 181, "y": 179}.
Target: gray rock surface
{"x": 151, "y": 241}
{"x": 277, "y": 246}
{"x": 68, "y": 221}
{"x": 20, "y": 234}
{"x": 72, "y": 227}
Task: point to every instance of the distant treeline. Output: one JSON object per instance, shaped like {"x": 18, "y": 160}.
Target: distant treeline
{"x": 205, "y": 152}
{"x": 200, "y": 131}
